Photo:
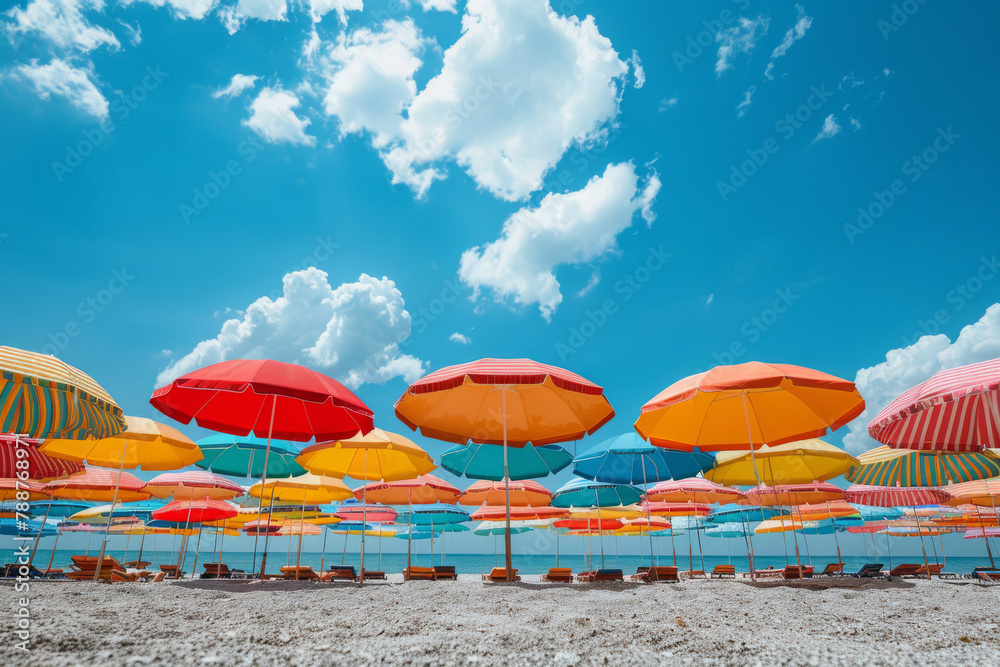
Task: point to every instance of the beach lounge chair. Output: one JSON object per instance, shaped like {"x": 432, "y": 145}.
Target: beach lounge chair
{"x": 584, "y": 577}
{"x": 137, "y": 564}
{"x": 793, "y": 572}
{"x": 933, "y": 568}
{"x": 608, "y": 574}
{"x": 766, "y": 573}
{"x": 158, "y": 577}
{"x": 724, "y": 571}
{"x": 340, "y": 573}
{"x": 988, "y": 576}
{"x": 121, "y": 576}
{"x": 442, "y": 572}
{"x": 418, "y": 574}
{"x": 660, "y": 573}
{"x": 221, "y": 571}
{"x": 499, "y": 574}
{"x": 299, "y": 573}
{"x": 559, "y": 575}
{"x": 85, "y": 566}
{"x": 172, "y": 572}
{"x": 13, "y": 571}
{"x": 906, "y": 570}
{"x": 694, "y": 574}
{"x": 869, "y": 570}
{"x": 832, "y": 569}
{"x": 374, "y": 575}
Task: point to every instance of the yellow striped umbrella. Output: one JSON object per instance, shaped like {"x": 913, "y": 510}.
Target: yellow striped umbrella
{"x": 41, "y": 397}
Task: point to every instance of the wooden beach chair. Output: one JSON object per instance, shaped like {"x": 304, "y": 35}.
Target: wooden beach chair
{"x": 340, "y": 573}
{"x": 444, "y": 572}
{"x": 906, "y": 570}
{"x": 933, "y": 568}
{"x": 869, "y": 570}
{"x": 988, "y": 576}
{"x": 694, "y": 574}
{"x": 658, "y": 574}
{"x": 418, "y": 574}
{"x": 499, "y": 574}
{"x": 374, "y": 575}
{"x": 768, "y": 573}
{"x": 584, "y": 577}
{"x": 299, "y": 573}
{"x": 792, "y": 572}
{"x": 832, "y": 569}
{"x": 608, "y": 574}
{"x": 85, "y": 566}
{"x": 724, "y": 572}
{"x": 137, "y": 564}
{"x": 172, "y": 572}
{"x": 559, "y": 575}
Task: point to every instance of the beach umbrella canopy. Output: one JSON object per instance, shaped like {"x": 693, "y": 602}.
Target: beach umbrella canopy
{"x": 656, "y": 508}
{"x": 417, "y": 533}
{"x": 30, "y": 490}
{"x": 589, "y": 524}
{"x": 20, "y": 527}
{"x": 777, "y": 525}
{"x": 728, "y": 529}
{"x": 747, "y": 405}
{"x": 620, "y": 512}
{"x": 41, "y": 467}
{"x": 486, "y": 461}
{"x": 522, "y": 493}
{"x": 825, "y": 510}
{"x": 303, "y": 489}
{"x": 58, "y": 508}
{"x": 733, "y": 512}
{"x": 488, "y": 528}
{"x": 895, "y": 496}
{"x": 983, "y": 492}
{"x": 956, "y": 410}
{"x": 144, "y": 444}
{"x": 99, "y": 485}
{"x": 885, "y": 466}
{"x": 628, "y": 459}
{"x": 438, "y": 514}
{"x": 373, "y": 513}
{"x": 268, "y": 398}
{"x": 794, "y": 494}
{"x": 796, "y": 462}
{"x": 499, "y": 513}
{"x": 422, "y": 490}
{"x": 580, "y": 492}
{"x": 193, "y": 484}
{"x": 642, "y": 526}
{"x": 43, "y": 397}
{"x": 378, "y": 455}
{"x": 101, "y": 514}
{"x": 197, "y": 510}
{"x": 244, "y": 456}
{"x": 696, "y": 490}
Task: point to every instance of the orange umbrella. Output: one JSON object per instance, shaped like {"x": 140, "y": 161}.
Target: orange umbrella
{"x": 656, "y": 508}
{"x": 31, "y": 490}
{"x": 793, "y": 494}
{"x": 498, "y": 513}
{"x": 522, "y": 493}
{"x": 504, "y": 401}
{"x": 98, "y": 485}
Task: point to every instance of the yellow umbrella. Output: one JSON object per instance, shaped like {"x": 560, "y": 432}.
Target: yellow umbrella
{"x": 376, "y": 456}
{"x": 623, "y": 512}
{"x": 144, "y": 444}
{"x": 792, "y": 463}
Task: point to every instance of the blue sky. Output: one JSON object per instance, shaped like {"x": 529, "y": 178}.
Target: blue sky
{"x": 577, "y": 183}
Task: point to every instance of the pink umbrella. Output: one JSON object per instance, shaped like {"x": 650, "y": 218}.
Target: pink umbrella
{"x": 193, "y": 484}
{"x": 957, "y": 410}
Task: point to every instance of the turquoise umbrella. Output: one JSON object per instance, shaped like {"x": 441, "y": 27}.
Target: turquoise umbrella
{"x": 244, "y": 456}
{"x": 486, "y": 461}
{"x": 581, "y": 492}
{"x": 36, "y": 529}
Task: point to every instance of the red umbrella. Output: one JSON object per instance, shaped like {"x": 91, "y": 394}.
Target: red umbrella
{"x": 200, "y": 511}
{"x": 264, "y": 396}
{"x": 499, "y": 513}
{"x": 41, "y": 467}
{"x": 590, "y": 524}
{"x": 957, "y": 410}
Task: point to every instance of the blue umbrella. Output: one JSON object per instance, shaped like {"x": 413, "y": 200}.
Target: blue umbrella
{"x": 436, "y": 514}
{"x": 29, "y": 528}
{"x": 628, "y": 459}
{"x": 243, "y": 456}
{"x": 581, "y": 492}
{"x": 745, "y": 513}
{"x": 486, "y": 461}
{"x": 59, "y": 508}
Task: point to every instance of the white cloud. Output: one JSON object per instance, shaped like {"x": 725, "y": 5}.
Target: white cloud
{"x": 62, "y": 23}
{"x": 710, "y": 299}
{"x": 351, "y": 332}
{"x": 909, "y": 366}
{"x": 572, "y": 228}
{"x": 830, "y": 128}
{"x": 64, "y": 80}
{"x": 370, "y": 75}
{"x": 637, "y": 70}
{"x": 668, "y": 103}
{"x": 181, "y": 9}
{"x": 233, "y": 17}
{"x": 319, "y": 8}
{"x": 742, "y": 107}
{"x": 438, "y": 5}
{"x": 273, "y": 118}
{"x": 794, "y": 34}
{"x": 459, "y": 338}
{"x": 134, "y": 32}
{"x": 504, "y": 107}
{"x": 238, "y": 84}
{"x": 740, "y": 38}
{"x": 855, "y": 123}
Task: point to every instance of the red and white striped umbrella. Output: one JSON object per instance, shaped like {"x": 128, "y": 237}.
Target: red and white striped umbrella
{"x": 957, "y": 410}
{"x": 41, "y": 467}
{"x": 895, "y": 496}
{"x": 98, "y": 485}
{"x": 193, "y": 484}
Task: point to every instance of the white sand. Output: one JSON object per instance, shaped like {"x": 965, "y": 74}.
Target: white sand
{"x": 699, "y": 622}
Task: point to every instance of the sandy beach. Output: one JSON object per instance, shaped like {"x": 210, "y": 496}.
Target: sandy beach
{"x": 464, "y": 622}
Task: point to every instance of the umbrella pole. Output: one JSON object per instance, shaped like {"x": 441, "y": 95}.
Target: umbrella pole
{"x": 690, "y": 555}
{"x": 53, "y": 556}
{"x": 90, "y": 534}
{"x": 107, "y": 528}
{"x": 615, "y": 537}
{"x": 673, "y": 547}
{"x": 409, "y": 533}
{"x": 197, "y": 551}
{"x": 222, "y": 545}
{"x": 302, "y": 520}
{"x": 215, "y": 543}
{"x": 795, "y": 537}
{"x": 432, "y": 540}
{"x": 343, "y": 556}
{"x": 495, "y": 553}
{"x": 836, "y": 540}
{"x": 701, "y": 552}
{"x": 600, "y": 528}
{"x": 41, "y": 528}
{"x": 128, "y": 538}
{"x": 557, "y": 551}
{"x": 753, "y": 460}
{"x": 649, "y": 518}
{"x": 927, "y": 568}
{"x": 874, "y": 548}
{"x": 322, "y": 560}
{"x": 729, "y": 543}
{"x": 180, "y": 554}
{"x": 380, "y": 549}
{"x": 888, "y": 546}
{"x": 263, "y": 488}
{"x": 364, "y": 522}
{"x": 508, "y": 564}
{"x": 142, "y": 543}
{"x": 982, "y": 527}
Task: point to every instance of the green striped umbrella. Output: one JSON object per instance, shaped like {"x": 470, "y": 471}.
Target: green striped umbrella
{"x": 884, "y": 466}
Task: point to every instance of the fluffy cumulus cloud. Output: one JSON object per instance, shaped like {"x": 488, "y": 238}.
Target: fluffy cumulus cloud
{"x": 370, "y": 79}
{"x": 320, "y": 8}
{"x": 272, "y": 116}
{"x": 908, "y": 366}
{"x": 351, "y": 332}
{"x": 459, "y": 338}
{"x": 794, "y": 34}
{"x": 504, "y": 107}
{"x": 438, "y": 5}
{"x": 235, "y": 16}
{"x": 571, "y": 228}
{"x": 181, "y": 9}
{"x": 61, "y": 79}
{"x": 740, "y": 38}
{"x": 830, "y": 128}
{"x": 236, "y": 86}
{"x": 62, "y": 23}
